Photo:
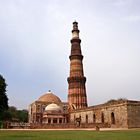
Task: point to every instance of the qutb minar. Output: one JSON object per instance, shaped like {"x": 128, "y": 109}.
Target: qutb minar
{"x": 77, "y": 97}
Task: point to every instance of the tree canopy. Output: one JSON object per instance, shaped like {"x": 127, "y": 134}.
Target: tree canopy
{"x": 3, "y": 97}
{"x": 14, "y": 115}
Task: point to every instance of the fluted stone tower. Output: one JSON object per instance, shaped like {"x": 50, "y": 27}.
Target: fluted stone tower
{"x": 76, "y": 89}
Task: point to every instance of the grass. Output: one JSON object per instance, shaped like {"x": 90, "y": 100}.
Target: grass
{"x": 70, "y": 135}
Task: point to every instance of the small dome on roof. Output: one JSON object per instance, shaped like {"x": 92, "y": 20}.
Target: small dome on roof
{"x": 53, "y": 107}
{"x": 49, "y": 97}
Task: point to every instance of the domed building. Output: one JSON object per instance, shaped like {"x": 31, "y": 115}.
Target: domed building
{"x": 49, "y": 97}
{"x": 54, "y": 114}
{"x": 48, "y": 108}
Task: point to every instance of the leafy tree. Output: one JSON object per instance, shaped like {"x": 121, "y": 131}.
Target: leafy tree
{"x": 22, "y": 115}
{"x": 13, "y": 114}
{"x": 7, "y": 116}
{"x": 3, "y": 98}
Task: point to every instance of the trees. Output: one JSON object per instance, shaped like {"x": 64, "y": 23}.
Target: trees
{"x": 3, "y": 98}
{"x": 9, "y": 114}
{"x": 22, "y": 115}
{"x": 13, "y": 114}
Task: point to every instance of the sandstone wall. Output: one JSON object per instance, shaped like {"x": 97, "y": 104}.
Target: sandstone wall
{"x": 102, "y": 114}
{"x": 133, "y": 115}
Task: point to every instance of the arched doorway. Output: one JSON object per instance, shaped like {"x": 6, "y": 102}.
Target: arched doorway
{"x": 86, "y": 118}
{"x": 112, "y": 118}
{"x": 102, "y": 117}
{"x": 94, "y": 118}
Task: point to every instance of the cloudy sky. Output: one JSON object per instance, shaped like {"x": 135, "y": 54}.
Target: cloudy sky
{"x": 35, "y": 47}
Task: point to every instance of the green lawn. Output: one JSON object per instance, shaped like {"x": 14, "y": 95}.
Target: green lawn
{"x": 70, "y": 135}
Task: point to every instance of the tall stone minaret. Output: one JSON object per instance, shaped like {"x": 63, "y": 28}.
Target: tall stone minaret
{"x": 76, "y": 81}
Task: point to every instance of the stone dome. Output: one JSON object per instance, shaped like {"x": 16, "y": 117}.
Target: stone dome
{"x": 49, "y": 97}
{"x": 53, "y": 107}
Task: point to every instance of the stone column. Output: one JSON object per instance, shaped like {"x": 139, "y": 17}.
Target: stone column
{"x": 47, "y": 120}
{"x": 51, "y": 120}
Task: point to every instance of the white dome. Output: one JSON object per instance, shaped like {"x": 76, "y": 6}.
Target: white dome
{"x": 53, "y": 107}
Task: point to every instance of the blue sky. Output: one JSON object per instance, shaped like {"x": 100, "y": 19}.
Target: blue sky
{"x": 35, "y": 47}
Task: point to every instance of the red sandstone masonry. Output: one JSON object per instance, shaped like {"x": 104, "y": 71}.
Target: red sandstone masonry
{"x": 77, "y": 91}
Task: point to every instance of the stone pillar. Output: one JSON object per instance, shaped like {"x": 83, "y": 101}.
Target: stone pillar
{"x": 51, "y": 120}
{"x": 47, "y": 120}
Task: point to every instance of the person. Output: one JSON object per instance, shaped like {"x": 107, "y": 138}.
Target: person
{"x": 97, "y": 128}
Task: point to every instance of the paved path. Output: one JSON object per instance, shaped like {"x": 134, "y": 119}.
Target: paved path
{"x": 87, "y": 129}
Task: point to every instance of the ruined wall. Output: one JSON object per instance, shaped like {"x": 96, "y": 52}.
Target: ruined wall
{"x": 113, "y": 115}
{"x": 133, "y": 115}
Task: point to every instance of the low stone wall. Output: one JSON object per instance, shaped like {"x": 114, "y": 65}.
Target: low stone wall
{"x": 51, "y": 126}
{"x": 94, "y": 125}
{"x": 68, "y": 125}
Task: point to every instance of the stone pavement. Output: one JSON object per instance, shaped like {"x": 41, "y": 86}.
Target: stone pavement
{"x": 87, "y": 129}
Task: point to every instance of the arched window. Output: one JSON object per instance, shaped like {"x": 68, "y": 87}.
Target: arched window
{"x": 38, "y": 108}
{"x": 86, "y": 118}
{"x": 54, "y": 120}
{"x": 102, "y": 117}
{"x": 49, "y": 120}
{"x": 112, "y": 118}
{"x": 94, "y": 118}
